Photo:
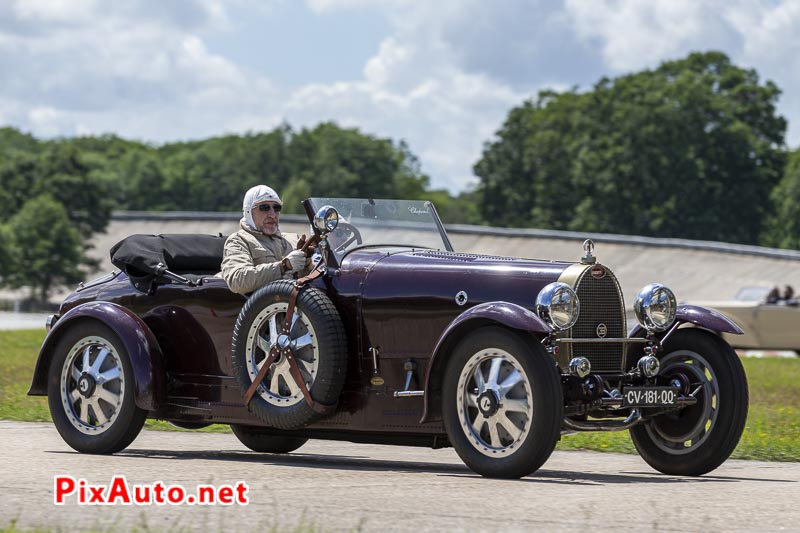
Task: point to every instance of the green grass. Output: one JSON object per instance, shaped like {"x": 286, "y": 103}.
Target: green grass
{"x": 18, "y": 352}
{"x": 772, "y": 432}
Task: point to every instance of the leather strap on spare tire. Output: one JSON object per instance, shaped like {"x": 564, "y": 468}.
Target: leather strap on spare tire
{"x": 287, "y": 352}
{"x": 285, "y": 400}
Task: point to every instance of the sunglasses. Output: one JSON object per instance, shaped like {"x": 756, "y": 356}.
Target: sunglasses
{"x": 266, "y": 207}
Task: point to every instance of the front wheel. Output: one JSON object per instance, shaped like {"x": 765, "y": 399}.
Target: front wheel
{"x": 90, "y": 390}
{"x": 502, "y": 403}
{"x": 697, "y": 439}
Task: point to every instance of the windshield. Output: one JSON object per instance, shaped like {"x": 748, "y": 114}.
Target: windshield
{"x": 367, "y": 222}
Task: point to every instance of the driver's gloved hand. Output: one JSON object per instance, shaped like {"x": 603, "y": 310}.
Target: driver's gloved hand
{"x": 297, "y": 260}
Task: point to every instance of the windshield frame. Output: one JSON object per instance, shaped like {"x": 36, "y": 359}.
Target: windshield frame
{"x": 311, "y": 205}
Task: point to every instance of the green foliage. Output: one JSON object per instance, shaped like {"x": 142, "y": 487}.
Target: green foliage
{"x": 212, "y": 175}
{"x": 44, "y": 249}
{"x": 692, "y": 149}
{"x": 783, "y": 225}
{"x": 5, "y": 253}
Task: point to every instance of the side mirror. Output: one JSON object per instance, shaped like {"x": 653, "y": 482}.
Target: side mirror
{"x": 326, "y": 219}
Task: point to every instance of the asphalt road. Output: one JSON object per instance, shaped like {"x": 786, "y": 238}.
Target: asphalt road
{"x": 331, "y": 486}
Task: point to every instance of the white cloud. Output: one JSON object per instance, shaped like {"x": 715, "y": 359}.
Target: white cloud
{"x": 54, "y": 10}
{"x": 443, "y": 77}
{"x": 632, "y": 33}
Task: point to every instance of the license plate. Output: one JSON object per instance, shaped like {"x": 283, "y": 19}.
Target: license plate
{"x": 649, "y": 396}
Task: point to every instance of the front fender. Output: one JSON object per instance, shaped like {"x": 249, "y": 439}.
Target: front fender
{"x": 140, "y": 343}
{"x": 704, "y": 317}
{"x": 507, "y": 314}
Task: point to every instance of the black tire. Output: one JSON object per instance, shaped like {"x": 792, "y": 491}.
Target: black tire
{"x": 104, "y": 419}
{"x": 698, "y": 438}
{"x": 532, "y": 407}
{"x": 278, "y": 401}
{"x": 260, "y": 441}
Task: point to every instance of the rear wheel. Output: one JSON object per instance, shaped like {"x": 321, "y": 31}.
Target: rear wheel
{"x": 699, "y": 438}
{"x": 90, "y": 390}
{"x": 259, "y": 440}
{"x": 502, "y": 403}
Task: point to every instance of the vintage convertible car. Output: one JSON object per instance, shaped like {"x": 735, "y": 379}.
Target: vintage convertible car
{"x": 769, "y": 323}
{"x": 394, "y": 339}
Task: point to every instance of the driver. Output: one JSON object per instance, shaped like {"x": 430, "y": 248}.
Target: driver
{"x": 259, "y": 253}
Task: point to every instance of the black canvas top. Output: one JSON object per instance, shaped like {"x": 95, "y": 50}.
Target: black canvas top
{"x": 143, "y": 255}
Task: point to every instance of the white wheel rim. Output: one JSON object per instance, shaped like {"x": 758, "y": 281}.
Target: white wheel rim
{"x": 278, "y": 387}
{"x": 495, "y": 372}
{"x": 92, "y": 385}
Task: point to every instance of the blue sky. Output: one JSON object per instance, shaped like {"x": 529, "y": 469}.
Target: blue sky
{"x": 441, "y": 75}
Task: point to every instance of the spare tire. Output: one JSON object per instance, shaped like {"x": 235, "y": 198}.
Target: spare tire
{"x": 318, "y": 344}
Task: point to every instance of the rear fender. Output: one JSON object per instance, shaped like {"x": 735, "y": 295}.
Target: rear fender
{"x": 704, "y": 317}
{"x": 504, "y": 313}
{"x": 140, "y": 343}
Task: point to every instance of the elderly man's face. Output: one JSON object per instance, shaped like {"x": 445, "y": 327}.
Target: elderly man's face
{"x": 266, "y": 217}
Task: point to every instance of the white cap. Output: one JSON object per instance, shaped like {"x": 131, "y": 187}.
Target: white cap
{"x": 254, "y": 196}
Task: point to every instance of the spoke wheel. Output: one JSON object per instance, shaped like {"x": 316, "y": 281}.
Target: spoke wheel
{"x": 279, "y": 387}
{"x": 502, "y": 403}
{"x": 92, "y": 385}
{"x": 494, "y": 402}
{"x": 316, "y": 341}
{"x": 698, "y": 438}
{"x": 90, "y": 390}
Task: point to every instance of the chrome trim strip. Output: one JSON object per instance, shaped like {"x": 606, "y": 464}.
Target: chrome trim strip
{"x": 598, "y": 340}
{"x": 408, "y": 393}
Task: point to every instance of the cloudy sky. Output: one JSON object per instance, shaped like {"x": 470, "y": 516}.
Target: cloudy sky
{"x": 442, "y": 75}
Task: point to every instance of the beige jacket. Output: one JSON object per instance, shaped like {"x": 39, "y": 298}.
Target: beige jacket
{"x": 253, "y": 259}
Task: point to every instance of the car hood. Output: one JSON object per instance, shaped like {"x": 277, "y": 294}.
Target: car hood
{"x": 396, "y": 273}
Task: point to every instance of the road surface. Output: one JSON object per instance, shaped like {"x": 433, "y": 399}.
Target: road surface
{"x": 332, "y": 486}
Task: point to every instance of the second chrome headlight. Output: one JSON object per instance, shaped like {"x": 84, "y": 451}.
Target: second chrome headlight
{"x": 655, "y": 307}
{"x": 558, "y": 305}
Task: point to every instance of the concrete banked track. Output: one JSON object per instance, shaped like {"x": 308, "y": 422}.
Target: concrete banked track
{"x": 695, "y": 270}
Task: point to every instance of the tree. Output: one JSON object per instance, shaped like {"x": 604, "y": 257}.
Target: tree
{"x": 80, "y": 181}
{"x": 5, "y": 254}
{"x": 345, "y": 162}
{"x": 783, "y": 225}
{"x": 45, "y": 250}
{"x": 691, "y": 149}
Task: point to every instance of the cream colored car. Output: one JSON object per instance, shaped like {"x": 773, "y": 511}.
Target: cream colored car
{"x": 768, "y": 323}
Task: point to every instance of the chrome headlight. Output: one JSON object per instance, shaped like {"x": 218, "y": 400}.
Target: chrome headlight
{"x": 655, "y": 307}
{"x": 557, "y": 304}
{"x": 326, "y": 219}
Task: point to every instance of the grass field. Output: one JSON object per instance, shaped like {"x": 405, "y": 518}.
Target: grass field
{"x": 772, "y": 432}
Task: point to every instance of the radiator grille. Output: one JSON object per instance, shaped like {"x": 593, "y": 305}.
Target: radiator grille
{"x": 601, "y": 303}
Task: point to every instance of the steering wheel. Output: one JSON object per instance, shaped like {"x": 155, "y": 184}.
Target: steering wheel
{"x": 350, "y": 234}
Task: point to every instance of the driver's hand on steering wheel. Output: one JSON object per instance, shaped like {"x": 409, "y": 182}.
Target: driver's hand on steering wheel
{"x": 309, "y": 246}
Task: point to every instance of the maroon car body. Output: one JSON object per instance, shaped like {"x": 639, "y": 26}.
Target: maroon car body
{"x": 405, "y": 310}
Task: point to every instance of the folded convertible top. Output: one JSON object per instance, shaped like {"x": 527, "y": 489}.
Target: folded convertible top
{"x": 145, "y": 257}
